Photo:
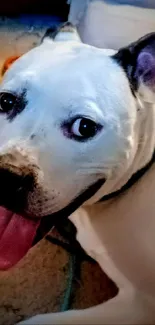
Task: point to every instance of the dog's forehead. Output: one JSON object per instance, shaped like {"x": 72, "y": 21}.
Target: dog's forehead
{"x": 61, "y": 62}
{"x": 70, "y": 72}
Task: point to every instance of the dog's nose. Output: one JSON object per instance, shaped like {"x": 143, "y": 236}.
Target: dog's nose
{"x": 14, "y": 189}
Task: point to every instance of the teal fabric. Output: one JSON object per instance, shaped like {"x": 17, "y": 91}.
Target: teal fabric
{"x": 137, "y": 3}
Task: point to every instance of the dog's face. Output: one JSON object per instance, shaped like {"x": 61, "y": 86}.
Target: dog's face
{"x": 67, "y": 129}
{"x": 68, "y": 120}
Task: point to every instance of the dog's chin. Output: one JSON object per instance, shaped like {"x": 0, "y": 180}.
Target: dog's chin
{"x": 18, "y": 233}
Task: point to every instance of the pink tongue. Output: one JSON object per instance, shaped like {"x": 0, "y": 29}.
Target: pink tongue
{"x": 16, "y": 237}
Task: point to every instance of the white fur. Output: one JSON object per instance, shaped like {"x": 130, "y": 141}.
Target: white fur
{"x": 62, "y": 80}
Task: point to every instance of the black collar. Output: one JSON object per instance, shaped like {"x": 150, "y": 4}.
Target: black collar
{"x": 134, "y": 178}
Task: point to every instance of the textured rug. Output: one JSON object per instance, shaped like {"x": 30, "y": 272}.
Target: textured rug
{"x": 39, "y": 282}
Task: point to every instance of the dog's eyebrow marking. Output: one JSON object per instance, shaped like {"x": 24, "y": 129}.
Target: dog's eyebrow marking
{"x": 20, "y": 105}
{"x": 32, "y": 136}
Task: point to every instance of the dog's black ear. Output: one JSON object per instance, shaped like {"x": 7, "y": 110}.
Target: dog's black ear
{"x": 48, "y": 34}
{"x": 64, "y": 32}
{"x": 138, "y": 61}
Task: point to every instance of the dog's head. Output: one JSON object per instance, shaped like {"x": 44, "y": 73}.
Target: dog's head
{"x": 71, "y": 119}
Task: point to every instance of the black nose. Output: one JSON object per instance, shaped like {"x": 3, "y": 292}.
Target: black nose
{"x": 14, "y": 189}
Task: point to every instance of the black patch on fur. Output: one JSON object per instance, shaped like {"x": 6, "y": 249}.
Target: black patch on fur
{"x": 19, "y": 106}
{"x": 14, "y": 189}
{"x": 49, "y": 33}
{"x": 127, "y": 57}
{"x": 32, "y": 136}
{"x": 52, "y": 32}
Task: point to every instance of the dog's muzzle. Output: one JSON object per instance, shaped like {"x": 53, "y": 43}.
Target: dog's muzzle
{"x": 15, "y": 189}
{"x": 18, "y": 232}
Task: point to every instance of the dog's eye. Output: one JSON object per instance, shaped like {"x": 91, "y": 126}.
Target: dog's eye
{"x": 7, "y": 102}
{"x": 81, "y": 129}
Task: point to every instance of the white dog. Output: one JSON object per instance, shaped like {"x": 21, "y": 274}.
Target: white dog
{"x": 77, "y": 136}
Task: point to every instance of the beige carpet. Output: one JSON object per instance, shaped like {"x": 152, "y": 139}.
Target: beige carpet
{"x": 38, "y": 283}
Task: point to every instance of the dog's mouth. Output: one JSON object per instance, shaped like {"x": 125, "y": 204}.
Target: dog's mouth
{"x": 18, "y": 233}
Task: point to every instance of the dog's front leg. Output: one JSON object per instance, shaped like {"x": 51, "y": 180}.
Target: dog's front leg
{"x": 126, "y": 308}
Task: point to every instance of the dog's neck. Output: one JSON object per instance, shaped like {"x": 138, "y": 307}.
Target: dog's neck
{"x": 145, "y": 137}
